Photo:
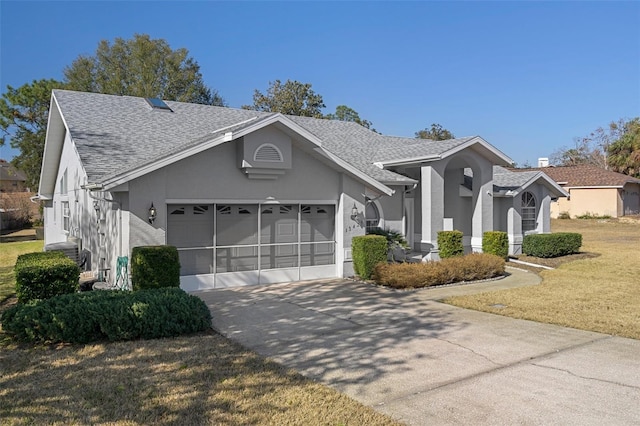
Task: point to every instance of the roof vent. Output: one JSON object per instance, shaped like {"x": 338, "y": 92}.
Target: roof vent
{"x": 157, "y": 103}
{"x": 268, "y": 152}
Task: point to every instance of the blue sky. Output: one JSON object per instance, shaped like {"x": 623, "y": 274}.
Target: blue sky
{"x": 526, "y": 76}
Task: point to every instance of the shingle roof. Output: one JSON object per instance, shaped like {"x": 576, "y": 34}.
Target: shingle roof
{"x": 586, "y": 175}
{"x": 8, "y": 172}
{"x": 118, "y": 134}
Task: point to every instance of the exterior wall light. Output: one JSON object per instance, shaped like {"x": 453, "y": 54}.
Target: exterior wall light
{"x": 152, "y": 213}
{"x": 355, "y": 215}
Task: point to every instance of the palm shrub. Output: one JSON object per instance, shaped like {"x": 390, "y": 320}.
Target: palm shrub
{"x": 396, "y": 243}
{"x": 367, "y": 251}
{"x": 450, "y": 244}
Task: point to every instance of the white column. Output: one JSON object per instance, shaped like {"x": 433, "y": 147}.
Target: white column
{"x": 544, "y": 215}
{"x": 482, "y": 219}
{"x": 432, "y": 209}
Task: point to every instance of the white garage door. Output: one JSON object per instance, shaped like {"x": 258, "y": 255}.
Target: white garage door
{"x": 223, "y": 245}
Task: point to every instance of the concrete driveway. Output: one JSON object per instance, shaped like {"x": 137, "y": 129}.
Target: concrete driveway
{"x": 424, "y": 362}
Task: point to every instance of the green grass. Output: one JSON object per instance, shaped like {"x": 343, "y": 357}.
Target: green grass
{"x": 9, "y": 252}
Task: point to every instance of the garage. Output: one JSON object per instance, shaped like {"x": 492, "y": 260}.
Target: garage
{"x": 227, "y": 245}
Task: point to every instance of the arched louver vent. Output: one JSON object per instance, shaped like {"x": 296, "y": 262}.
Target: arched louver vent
{"x": 268, "y": 152}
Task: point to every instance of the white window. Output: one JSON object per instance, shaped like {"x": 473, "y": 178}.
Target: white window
{"x": 65, "y": 216}
{"x": 63, "y": 183}
{"x": 372, "y": 216}
{"x": 528, "y": 212}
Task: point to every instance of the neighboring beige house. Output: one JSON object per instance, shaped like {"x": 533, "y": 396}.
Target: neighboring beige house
{"x": 253, "y": 197}
{"x": 594, "y": 190}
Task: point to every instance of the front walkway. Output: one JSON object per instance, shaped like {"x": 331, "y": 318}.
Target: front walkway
{"x": 424, "y": 362}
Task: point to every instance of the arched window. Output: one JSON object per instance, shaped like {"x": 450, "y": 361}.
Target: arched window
{"x": 372, "y": 216}
{"x": 528, "y": 212}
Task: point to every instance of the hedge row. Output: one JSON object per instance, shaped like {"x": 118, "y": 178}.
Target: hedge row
{"x": 472, "y": 267}
{"x": 45, "y": 274}
{"x": 551, "y": 245}
{"x": 367, "y": 251}
{"x": 107, "y": 315}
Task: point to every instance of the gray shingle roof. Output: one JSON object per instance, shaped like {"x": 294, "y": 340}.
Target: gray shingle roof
{"x": 118, "y": 134}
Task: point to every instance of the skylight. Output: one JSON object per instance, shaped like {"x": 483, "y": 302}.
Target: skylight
{"x": 157, "y": 103}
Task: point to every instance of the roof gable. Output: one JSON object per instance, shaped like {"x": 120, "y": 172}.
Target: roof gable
{"x": 511, "y": 182}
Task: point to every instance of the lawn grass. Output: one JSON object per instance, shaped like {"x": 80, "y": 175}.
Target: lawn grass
{"x": 190, "y": 380}
{"x": 594, "y": 293}
{"x": 9, "y": 252}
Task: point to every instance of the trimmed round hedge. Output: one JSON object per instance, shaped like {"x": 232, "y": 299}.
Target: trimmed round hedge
{"x": 107, "y": 315}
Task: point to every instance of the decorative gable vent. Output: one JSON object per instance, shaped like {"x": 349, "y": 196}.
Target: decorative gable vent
{"x": 268, "y": 152}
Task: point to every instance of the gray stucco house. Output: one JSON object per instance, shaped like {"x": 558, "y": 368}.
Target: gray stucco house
{"x": 251, "y": 197}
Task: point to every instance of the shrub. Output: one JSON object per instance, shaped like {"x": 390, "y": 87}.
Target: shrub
{"x": 564, "y": 215}
{"x": 450, "y": 244}
{"x": 110, "y": 315}
{"x": 472, "y": 267}
{"x": 45, "y": 274}
{"x": 367, "y": 251}
{"x": 589, "y": 215}
{"x": 155, "y": 267}
{"x": 551, "y": 245}
{"x": 396, "y": 243}
{"x": 496, "y": 242}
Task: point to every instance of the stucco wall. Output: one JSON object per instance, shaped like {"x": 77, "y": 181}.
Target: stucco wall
{"x": 597, "y": 201}
{"x": 215, "y": 176}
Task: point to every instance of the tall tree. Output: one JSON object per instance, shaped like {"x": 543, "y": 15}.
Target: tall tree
{"x": 435, "y": 133}
{"x": 143, "y": 67}
{"x": 344, "y": 113}
{"x": 624, "y": 153}
{"x": 591, "y": 149}
{"x": 23, "y": 121}
{"x": 292, "y": 97}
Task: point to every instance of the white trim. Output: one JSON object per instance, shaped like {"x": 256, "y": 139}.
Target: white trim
{"x": 244, "y": 201}
{"x": 599, "y": 187}
{"x": 435, "y": 157}
{"x": 207, "y": 144}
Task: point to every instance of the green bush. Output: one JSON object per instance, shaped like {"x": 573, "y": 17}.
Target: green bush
{"x": 564, "y": 215}
{"x": 496, "y": 242}
{"x": 107, "y": 315}
{"x": 45, "y": 274}
{"x": 472, "y": 267}
{"x": 367, "y": 251}
{"x": 397, "y": 245}
{"x": 450, "y": 244}
{"x": 551, "y": 245}
{"x": 155, "y": 267}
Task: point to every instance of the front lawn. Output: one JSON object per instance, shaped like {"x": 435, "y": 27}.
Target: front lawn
{"x": 188, "y": 380}
{"x": 593, "y": 293}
